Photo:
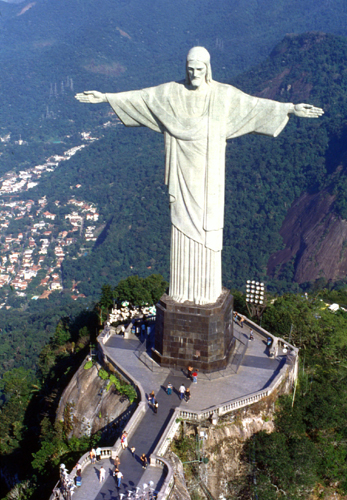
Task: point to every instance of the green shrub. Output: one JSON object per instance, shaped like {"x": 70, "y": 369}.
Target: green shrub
{"x": 129, "y": 391}
{"x": 88, "y": 365}
{"x": 103, "y": 374}
{"x": 115, "y": 380}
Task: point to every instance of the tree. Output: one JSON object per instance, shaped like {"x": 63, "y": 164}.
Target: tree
{"x": 107, "y": 296}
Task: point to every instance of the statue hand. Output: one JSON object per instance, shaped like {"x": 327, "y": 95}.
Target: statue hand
{"x": 91, "y": 96}
{"x": 307, "y": 111}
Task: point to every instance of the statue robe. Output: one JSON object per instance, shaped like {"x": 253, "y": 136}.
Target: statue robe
{"x": 195, "y": 142}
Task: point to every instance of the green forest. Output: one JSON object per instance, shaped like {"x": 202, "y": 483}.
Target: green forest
{"x": 32, "y": 443}
{"x": 308, "y": 449}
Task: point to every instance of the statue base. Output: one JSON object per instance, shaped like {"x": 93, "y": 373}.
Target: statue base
{"x": 189, "y": 334}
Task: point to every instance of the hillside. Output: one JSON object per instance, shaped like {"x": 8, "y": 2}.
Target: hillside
{"x": 264, "y": 176}
{"x": 118, "y": 45}
{"x": 315, "y": 241}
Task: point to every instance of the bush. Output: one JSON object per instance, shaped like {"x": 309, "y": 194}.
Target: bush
{"x": 103, "y": 374}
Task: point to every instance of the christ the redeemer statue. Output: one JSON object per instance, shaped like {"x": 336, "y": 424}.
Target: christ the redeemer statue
{"x": 197, "y": 116}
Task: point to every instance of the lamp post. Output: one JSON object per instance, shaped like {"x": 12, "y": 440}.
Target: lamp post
{"x": 255, "y": 298}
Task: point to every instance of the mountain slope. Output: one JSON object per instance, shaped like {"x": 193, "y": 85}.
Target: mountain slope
{"x": 264, "y": 175}
{"x": 44, "y": 41}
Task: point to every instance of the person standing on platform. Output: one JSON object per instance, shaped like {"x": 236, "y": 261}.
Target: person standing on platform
{"x": 102, "y": 474}
{"x": 124, "y": 440}
{"x": 151, "y": 398}
{"x": 92, "y": 456}
{"x": 155, "y": 406}
{"x": 187, "y": 395}
{"x": 78, "y": 479}
{"x": 189, "y": 372}
{"x": 169, "y": 389}
{"x": 119, "y": 477}
{"x": 182, "y": 391}
{"x": 143, "y": 459}
{"x": 78, "y": 469}
{"x": 195, "y": 376}
{"x": 98, "y": 454}
{"x": 143, "y": 332}
{"x": 116, "y": 462}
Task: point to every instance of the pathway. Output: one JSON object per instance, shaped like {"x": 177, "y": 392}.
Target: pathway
{"x": 255, "y": 373}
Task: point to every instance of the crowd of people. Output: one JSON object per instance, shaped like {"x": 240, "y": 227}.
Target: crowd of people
{"x": 95, "y": 454}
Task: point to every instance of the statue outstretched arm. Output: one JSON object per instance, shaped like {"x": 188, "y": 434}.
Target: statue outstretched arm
{"x": 307, "y": 111}
{"x": 91, "y": 96}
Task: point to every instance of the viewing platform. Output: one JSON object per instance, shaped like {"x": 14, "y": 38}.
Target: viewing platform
{"x": 251, "y": 375}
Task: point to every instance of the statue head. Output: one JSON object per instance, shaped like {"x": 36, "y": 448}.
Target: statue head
{"x": 199, "y": 55}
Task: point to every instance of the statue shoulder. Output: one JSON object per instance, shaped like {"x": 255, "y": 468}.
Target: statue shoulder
{"x": 226, "y": 90}
{"x": 164, "y": 89}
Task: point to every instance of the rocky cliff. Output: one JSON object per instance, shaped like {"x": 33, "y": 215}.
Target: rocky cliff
{"x": 87, "y": 406}
{"x": 225, "y": 473}
{"x": 315, "y": 240}
{"x": 314, "y": 230}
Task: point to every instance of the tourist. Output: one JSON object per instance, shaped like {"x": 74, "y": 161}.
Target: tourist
{"x": 98, "y": 454}
{"x": 133, "y": 451}
{"x": 116, "y": 462}
{"x": 242, "y": 319}
{"x": 143, "y": 332}
{"x": 182, "y": 391}
{"x": 251, "y": 337}
{"x": 78, "y": 479}
{"x": 92, "y": 455}
{"x": 119, "y": 477}
{"x": 155, "y": 406}
{"x": 189, "y": 372}
{"x": 195, "y": 376}
{"x": 102, "y": 474}
{"x": 143, "y": 459}
{"x": 124, "y": 440}
{"x": 169, "y": 389}
{"x": 187, "y": 395}
{"x": 78, "y": 468}
{"x": 151, "y": 397}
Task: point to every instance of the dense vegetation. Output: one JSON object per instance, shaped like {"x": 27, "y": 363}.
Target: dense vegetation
{"x": 32, "y": 444}
{"x": 308, "y": 450}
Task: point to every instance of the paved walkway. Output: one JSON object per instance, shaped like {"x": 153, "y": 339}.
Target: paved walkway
{"x": 255, "y": 373}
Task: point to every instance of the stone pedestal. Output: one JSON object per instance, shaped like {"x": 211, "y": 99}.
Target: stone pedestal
{"x": 198, "y": 335}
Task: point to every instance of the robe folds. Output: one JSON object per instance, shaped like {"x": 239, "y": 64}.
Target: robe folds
{"x": 195, "y": 141}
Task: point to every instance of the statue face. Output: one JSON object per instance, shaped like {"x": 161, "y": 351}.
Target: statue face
{"x": 197, "y": 73}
